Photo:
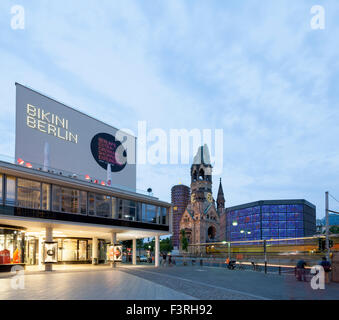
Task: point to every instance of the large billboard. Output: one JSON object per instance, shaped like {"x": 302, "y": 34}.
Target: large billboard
{"x": 52, "y": 135}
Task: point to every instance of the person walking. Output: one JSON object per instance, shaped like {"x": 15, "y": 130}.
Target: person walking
{"x": 164, "y": 257}
{"x": 169, "y": 260}
{"x": 301, "y": 271}
{"x": 327, "y": 269}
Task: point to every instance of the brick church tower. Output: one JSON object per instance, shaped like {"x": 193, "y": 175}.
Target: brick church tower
{"x": 201, "y": 219}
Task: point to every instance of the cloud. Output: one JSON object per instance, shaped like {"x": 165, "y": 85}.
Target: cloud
{"x": 253, "y": 68}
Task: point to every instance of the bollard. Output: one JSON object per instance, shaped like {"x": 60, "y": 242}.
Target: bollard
{"x": 201, "y": 262}
{"x": 265, "y": 267}
{"x": 279, "y": 270}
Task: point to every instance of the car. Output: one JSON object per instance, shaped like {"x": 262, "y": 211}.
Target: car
{"x": 142, "y": 259}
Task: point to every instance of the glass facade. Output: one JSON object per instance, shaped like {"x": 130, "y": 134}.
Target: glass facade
{"x": 11, "y": 246}
{"x": 42, "y": 196}
{"x": 266, "y": 222}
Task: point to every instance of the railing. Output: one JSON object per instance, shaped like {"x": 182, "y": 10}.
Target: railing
{"x": 63, "y": 173}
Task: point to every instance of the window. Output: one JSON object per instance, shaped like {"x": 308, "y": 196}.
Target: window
{"x": 152, "y": 213}
{"x": 10, "y": 191}
{"x": 1, "y": 180}
{"x": 46, "y": 194}
{"x": 83, "y": 202}
{"x": 91, "y": 204}
{"x": 143, "y": 212}
{"x": 103, "y": 205}
{"x": 127, "y": 209}
{"x": 114, "y": 208}
{"x": 28, "y": 194}
{"x": 56, "y": 196}
{"x": 69, "y": 200}
{"x": 163, "y": 215}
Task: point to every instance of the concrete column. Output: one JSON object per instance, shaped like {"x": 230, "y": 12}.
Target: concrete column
{"x": 134, "y": 252}
{"x": 49, "y": 238}
{"x": 113, "y": 238}
{"x": 41, "y": 248}
{"x": 95, "y": 254}
{"x": 157, "y": 251}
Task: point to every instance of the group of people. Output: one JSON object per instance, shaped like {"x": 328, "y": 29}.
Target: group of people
{"x": 301, "y": 269}
{"x": 170, "y": 261}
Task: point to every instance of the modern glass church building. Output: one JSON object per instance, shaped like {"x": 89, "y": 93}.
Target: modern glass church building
{"x": 79, "y": 212}
{"x": 271, "y": 219}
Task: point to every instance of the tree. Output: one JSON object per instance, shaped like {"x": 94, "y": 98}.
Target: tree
{"x": 166, "y": 245}
{"x": 334, "y": 229}
{"x": 184, "y": 240}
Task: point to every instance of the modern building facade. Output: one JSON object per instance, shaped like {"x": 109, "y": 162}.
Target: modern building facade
{"x": 271, "y": 219}
{"x": 180, "y": 197}
{"x": 59, "y": 212}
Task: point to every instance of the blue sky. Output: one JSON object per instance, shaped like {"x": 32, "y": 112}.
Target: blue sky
{"x": 254, "y": 68}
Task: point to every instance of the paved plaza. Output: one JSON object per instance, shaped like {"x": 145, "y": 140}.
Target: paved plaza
{"x": 167, "y": 283}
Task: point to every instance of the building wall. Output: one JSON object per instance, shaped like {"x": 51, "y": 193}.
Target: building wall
{"x": 180, "y": 197}
{"x": 264, "y": 220}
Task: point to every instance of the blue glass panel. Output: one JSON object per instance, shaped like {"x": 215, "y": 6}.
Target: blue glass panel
{"x": 299, "y": 216}
{"x": 256, "y": 209}
{"x": 291, "y": 225}
{"x": 282, "y": 208}
{"x": 282, "y": 224}
{"x": 274, "y": 208}
{"x": 274, "y": 233}
{"x": 282, "y": 233}
{"x": 290, "y": 233}
{"x": 299, "y": 224}
{"x": 274, "y": 224}
{"x": 265, "y": 209}
{"x": 282, "y": 216}
{"x": 290, "y": 216}
{"x": 266, "y": 216}
{"x": 299, "y": 233}
{"x": 265, "y": 224}
{"x": 266, "y": 233}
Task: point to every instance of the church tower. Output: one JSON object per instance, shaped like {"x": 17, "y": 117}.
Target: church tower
{"x": 200, "y": 220}
{"x": 220, "y": 199}
{"x": 201, "y": 176}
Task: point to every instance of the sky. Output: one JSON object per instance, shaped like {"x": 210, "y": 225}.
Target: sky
{"x": 255, "y": 69}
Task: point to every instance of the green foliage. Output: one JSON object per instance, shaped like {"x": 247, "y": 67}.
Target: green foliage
{"x": 184, "y": 240}
{"x": 334, "y": 229}
{"x": 166, "y": 245}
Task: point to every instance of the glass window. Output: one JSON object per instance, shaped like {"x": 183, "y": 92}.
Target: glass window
{"x": 69, "y": 200}
{"x": 164, "y": 215}
{"x": 152, "y": 213}
{"x": 83, "y": 202}
{"x": 46, "y": 195}
{"x": 114, "y": 208}
{"x": 28, "y": 194}
{"x": 1, "y": 188}
{"x": 11, "y": 246}
{"x": 129, "y": 210}
{"x": 144, "y": 212}
{"x": 103, "y": 205}
{"x": 10, "y": 191}
{"x": 56, "y": 196}
{"x": 91, "y": 204}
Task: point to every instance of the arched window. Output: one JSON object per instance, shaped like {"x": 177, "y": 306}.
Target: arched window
{"x": 201, "y": 175}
